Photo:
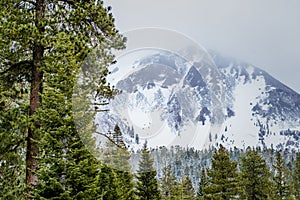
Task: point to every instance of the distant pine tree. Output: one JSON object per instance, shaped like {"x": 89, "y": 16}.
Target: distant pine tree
{"x": 147, "y": 184}
{"x": 169, "y": 186}
{"x": 116, "y": 156}
{"x": 281, "y": 179}
{"x": 43, "y": 45}
{"x": 255, "y": 177}
{"x": 118, "y": 137}
{"x": 222, "y": 177}
{"x": 202, "y": 184}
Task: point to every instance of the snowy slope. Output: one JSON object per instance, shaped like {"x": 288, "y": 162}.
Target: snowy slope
{"x": 261, "y": 112}
{"x": 168, "y": 101}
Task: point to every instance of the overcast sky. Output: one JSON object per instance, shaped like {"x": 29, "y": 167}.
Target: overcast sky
{"x": 265, "y": 33}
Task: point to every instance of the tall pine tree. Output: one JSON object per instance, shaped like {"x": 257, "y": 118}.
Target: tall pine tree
{"x": 255, "y": 177}
{"x": 147, "y": 184}
{"x": 222, "y": 177}
{"x": 116, "y": 156}
{"x": 202, "y": 183}
{"x": 43, "y": 45}
{"x": 282, "y": 180}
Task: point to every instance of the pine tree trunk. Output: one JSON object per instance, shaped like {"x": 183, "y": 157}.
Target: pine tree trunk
{"x": 35, "y": 100}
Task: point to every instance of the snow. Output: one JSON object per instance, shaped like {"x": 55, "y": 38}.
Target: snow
{"x": 139, "y": 118}
{"x": 250, "y": 69}
{"x": 241, "y": 128}
{"x": 146, "y": 109}
{"x": 200, "y": 137}
{"x": 127, "y": 64}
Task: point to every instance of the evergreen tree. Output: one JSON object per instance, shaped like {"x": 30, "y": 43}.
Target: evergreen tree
{"x": 118, "y": 138}
{"x": 186, "y": 189}
{"x": 13, "y": 122}
{"x": 202, "y": 184}
{"x": 66, "y": 170}
{"x": 107, "y": 184}
{"x": 115, "y": 184}
{"x": 281, "y": 178}
{"x": 125, "y": 189}
{"x": 296, "y": 176}
{"x": 147, "y": 184}
{"x": 169, "y": 186}
{"x": 43, "y": 45}
{"x": 116, "y": 156}
{"x": 222, "y": 177}
{"x": 255, "y": 177}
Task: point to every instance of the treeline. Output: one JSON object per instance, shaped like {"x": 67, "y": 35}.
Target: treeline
{"x": 249, "y": 176}
{"x": 71, "y": 172}
{"x": 219, "y": 173}
{"x": 185, "y": 161}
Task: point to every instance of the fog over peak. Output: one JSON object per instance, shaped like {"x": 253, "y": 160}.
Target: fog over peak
{"x": 264, "y": 33}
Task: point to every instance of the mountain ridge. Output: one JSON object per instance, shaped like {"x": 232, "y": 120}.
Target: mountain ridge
{"x": 258, "y": 110}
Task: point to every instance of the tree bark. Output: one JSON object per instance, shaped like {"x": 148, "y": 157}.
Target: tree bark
{"x": 35, "y": 101}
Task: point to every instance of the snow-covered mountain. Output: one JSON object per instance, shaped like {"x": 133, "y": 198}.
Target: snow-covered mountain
{"x": 167, "y": 100}
{"x": 263, "y": 110}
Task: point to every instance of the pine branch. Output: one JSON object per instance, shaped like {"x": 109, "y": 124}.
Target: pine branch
{"x": 7, "y": 149}
{"x": 114, "y": 142}
{"x": 24, "y": 63}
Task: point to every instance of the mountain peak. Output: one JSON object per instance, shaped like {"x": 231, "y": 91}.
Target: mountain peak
{"x": 181, "y": 107}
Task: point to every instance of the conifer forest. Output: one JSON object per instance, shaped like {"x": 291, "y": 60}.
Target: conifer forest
{"x": 43, "y": 45}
